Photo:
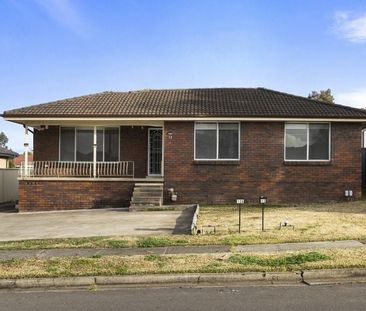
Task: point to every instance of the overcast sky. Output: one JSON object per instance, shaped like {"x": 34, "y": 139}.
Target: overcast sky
{"x": 54, "y": 49}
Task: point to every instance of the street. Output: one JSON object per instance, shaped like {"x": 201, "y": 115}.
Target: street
{"x": 301, "y": 297}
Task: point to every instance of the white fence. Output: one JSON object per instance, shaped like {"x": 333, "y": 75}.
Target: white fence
{"x": 8, "y": 184}
{"x": 77, "y": 169}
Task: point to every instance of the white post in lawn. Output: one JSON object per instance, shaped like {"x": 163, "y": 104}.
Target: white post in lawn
{"x": 95, "y": 152}
{"x": 26, "y": 146}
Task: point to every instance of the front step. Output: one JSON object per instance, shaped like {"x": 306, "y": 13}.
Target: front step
{"x": 147, "y": 195}
{"x": 139, "y": 184}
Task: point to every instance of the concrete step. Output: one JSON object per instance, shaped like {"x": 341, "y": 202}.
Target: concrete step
{"x": 147, "y": 190}
{"x": 147, "y": 193}
{"x": 156, "y": 188}
{"x": 149, "y": 185}
{"x": 147, "y": 200}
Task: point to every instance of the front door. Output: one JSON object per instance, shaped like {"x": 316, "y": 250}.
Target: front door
{"x": 155, "y": 143}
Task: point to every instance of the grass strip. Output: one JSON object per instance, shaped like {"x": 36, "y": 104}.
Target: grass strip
{"x": 200, "y": 263}
{"x": 278, "y": 261}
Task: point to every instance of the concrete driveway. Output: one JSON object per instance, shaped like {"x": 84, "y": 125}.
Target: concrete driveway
{"x": 86, "y": 223}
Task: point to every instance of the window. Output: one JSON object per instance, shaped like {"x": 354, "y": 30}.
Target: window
{"x": 206, "y": 135}
{"x": 307, "y": 141}
{"x": 76, "y": 144}
{"x": 217, "y": 141}
{"x": 111, "y": 144}
{"x": 67, "y": 144}
{"x": 84, "y": 145}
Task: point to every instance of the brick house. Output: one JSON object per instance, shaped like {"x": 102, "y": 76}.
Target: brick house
{"x": 204, "y": 145}
{"x": 6, "y": 155}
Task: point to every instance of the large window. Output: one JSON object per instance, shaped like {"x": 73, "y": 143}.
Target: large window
{"x": 217, "y": 141}
{"x": 307, "y": 141}
{"x": 76, "y": 144}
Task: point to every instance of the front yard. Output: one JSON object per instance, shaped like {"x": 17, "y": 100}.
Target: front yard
{"x": 319, "y": 222}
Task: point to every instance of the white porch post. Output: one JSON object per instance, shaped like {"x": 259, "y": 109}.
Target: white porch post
{"x": 26, "y": 148}
{"x": 95, "y": 152}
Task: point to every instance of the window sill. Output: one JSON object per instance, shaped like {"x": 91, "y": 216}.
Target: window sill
{"x": 216, "y": 162}
{"x": 307, "y": 163}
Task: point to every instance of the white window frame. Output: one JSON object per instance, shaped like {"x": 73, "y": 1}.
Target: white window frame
{"x": 88, "y": 128}
{"x": 307, "y": 142}
{"x": 217, "y": 140}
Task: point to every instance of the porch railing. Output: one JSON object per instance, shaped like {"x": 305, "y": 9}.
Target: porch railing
{"x": 77, "y": 169}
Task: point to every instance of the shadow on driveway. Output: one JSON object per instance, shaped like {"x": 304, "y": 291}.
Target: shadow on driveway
{"x": 184, "y": 221}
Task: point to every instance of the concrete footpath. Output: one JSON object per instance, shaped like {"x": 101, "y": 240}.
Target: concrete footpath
{"x": 88, "y": 252}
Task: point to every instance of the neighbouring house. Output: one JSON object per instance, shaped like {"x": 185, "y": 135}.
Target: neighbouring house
{"x": 188, "y": 146}
{"x": 6, "y": 156}
{"x": 21, "y": 158}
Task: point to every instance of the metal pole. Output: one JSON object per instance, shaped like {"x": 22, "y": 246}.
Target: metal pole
{"x": 262, "y": 217}
{"x": 239, "y": 218}
{"x": 26, "y": 146}
{"x": 95, "y": 152}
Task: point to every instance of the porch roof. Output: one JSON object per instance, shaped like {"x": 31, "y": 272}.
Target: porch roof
{"x": 214, "y": 102}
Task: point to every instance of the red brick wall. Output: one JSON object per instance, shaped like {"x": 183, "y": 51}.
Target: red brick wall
{"x": 64, "y": 195}
{"x": 46, "y": 144}
{"x": 133, "y": 142}
{"x": 261, "y": 169}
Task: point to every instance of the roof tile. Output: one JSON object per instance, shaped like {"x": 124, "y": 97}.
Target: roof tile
{"x": 214, "y": 102}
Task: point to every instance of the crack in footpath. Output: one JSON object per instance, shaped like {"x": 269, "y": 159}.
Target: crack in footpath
{"x": 303, "y": 279}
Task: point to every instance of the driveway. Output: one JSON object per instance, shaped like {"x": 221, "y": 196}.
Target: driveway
{"x": 86, "y": 223}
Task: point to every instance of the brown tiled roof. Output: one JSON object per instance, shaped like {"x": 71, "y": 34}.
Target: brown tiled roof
{"x": 214, "y": 102}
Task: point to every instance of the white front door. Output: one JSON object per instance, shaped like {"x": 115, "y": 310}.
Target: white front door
{"x": 154, "y": 149}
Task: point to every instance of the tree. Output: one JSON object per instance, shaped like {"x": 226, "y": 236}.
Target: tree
{"x": 324, "y": 96}
{"x": 3, "y": 139}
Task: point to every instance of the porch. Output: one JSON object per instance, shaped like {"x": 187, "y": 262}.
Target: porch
{"x": 83, "y": 166}
{"x": 98, "y": 151}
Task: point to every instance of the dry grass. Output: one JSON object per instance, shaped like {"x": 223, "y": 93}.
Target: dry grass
{"x": 317, "y": 222}
{"x": 149, "y": 264}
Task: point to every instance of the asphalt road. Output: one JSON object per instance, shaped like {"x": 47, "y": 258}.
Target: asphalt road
{"x": 335, "y": 297}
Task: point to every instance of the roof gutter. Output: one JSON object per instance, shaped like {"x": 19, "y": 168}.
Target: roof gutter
{"x": 45, "y": 120}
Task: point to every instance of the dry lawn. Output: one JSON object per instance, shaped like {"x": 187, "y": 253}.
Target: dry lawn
{"x": 316, "y": 222}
